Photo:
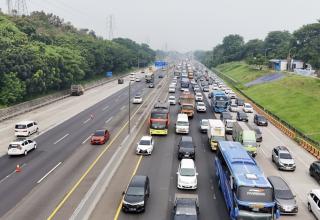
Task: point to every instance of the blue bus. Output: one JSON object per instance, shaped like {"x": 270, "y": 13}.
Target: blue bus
{"x": 247, "y": 192}
{"x": 219, "y": 101}
{"x": 185, "y": 83}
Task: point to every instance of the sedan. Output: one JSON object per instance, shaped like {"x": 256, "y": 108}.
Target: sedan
{"x": 145, "y": 146}
{"x": 242, "y": 116}
{"x": 260, "y": 120}
{"x": 198, "y": 96}
{"x": 172, "y": 100}
{"x": 137, "y": 99}
{"x": 233, "y": 107}
{"x": 100, "y": 137}
{"x": 21, "y": 147}
{"x": 247, "y": 108}
{"x": 187, "y": 175}
{"x": 201, "y": 107}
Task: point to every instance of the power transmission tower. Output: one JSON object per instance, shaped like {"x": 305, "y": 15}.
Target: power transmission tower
{"x": 110, "y": 27}
{"x": 9, "y": 5}
{"x": 17, "y": 7}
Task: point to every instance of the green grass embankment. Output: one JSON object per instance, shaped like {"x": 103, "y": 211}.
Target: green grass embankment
{"x": 295, "y": 99}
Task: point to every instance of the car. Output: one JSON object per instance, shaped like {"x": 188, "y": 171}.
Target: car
{"x": 242, "y": 116}
{"x": 232, "y": 95}
{"x": 186, "y": 149}
{"x": 313, "y": 198}
{"x": 187, "y": 175}
{"x": 145, "y": 145}
{"x": 233, "y": 107}
{"x": 239, "y": 102}
{"x": 151, "y": 85}
{"x": 203, "y": 83}
{"x": 184, "y": 90}
{"x": 314, "y": 170}
{"x": 247, "y": 108}
{"x": 120, "y": 81}
{"x": 215, "y": 87}
{"x": 198, "y": 97}
{"x": 172, "y": 100}
{"x": 138, "y": 79}
{"x": 205, "y": 89}
{"x": 21, "y": 147}
{"x": 25, "y": 128}
{"x": 201, "y": 107}
{"x": 186, "y": 206}
{"x": 284, "y": 198}
{"x": 136, "y": 195}
{"x": 229, "y": 126}
{"x": 196, "y": 90}
{"x": 260, "y": 120}
{"x": 160, "y": 76}
{"x": 204, "y": 124}
{"x": 100, "y": 136}
{"x": 258, "y": 134}
{"x": 283, "y": 159}
{"x": 137, "y": 99}
{"x": 225, "y": 115}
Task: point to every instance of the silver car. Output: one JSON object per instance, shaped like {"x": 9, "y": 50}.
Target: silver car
{"x": 283, "y": 159}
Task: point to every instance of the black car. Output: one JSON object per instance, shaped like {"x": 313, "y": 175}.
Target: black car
{"x": 136, "y": 195}
{"x": 151, "y": 85}
{"x": 314, "y": 170}
{"x": 239, "y": 102}
{"x": 225, "y": 115}
{"x": 186, "y": 206}
{"x": 258, "y": 134}
{"x": 160, "y": 76}
{"x": 120, "y": 81}
{"x": 186, "y": 149}
{"x": 260, "y": 120}
{"x": 242, "y": 116}
{"x": 285, "y": 200}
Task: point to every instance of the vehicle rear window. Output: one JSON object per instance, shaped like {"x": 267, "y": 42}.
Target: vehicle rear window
{"x": 21, "y": 126}
{"x": 253, "y": 194}
{"x": 13, "y": 146}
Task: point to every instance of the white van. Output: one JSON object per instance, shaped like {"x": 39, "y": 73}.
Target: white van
{"x": 182, "y": 124}
{"x": 25, "y": 128}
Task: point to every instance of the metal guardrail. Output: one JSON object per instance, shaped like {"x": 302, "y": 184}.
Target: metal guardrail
{"x": 294, "y": 133}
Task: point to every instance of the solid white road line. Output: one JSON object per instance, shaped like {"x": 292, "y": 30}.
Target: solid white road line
{"x": 86, "y": 120}
{"x": 109, "y": 119}
{"x": 105, "y": 108}
{"x": 87, "y": 139}
{"x": 61, "y": 139}
{"x": 12, "y": 173}
{"x": 47, "y": 174}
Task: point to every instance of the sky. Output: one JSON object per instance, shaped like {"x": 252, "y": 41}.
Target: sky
{"x": 182, "y": 25}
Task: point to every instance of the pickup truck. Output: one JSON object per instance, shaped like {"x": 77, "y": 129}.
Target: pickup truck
{"x": 186, "y": 206}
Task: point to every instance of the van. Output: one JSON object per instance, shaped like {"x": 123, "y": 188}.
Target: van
{"x": 182, "y": 124}
{"x": 136, "y": 195}
{"x": 25, "y": 128}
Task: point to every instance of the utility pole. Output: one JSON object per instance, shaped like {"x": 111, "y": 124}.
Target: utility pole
{"x": 110, "y": 27}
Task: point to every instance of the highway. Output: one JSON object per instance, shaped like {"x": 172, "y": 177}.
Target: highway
{"x": 65, "y": 148}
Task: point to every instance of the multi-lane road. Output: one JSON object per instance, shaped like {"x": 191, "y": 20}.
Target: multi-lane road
{"x": 52, "y": 181}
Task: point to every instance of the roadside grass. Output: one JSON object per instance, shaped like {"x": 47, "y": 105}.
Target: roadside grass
{"x": 241, "y": 72}
{"x": 295, "y": 99}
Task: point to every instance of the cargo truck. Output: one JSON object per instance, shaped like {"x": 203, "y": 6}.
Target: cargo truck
{"x": 216, "y": 133}
{"x": 244, "y": 134}
{"x": 187, "y": 104}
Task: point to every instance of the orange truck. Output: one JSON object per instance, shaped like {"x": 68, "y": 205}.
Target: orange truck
{"x": 187, "y": 104}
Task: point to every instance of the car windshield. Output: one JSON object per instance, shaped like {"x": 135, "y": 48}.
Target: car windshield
{"x": 187, "y": 172}
{"x": 144, "y": 142}
{"x": 13, "y": 146}
{"x": 243, "y": 115}
{"x": 250, "y": 143}
{"x": 182, "y": 123}
{"x": 285, "y": 156}
{"x": 200, "y": 104}
{"x": 99, "y": 133}
{"x": 261, "y": 118}
{"x": 283, "y": 194}
{"x": 135, "y": 191}
{"x": 247, "y": 106}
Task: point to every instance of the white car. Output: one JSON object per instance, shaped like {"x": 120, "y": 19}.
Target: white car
{"x": 138, "y": 79}
{"x": 232, "y": 95}
{"x": 187, "y": 174}
{"x": 145, "y": 145}
{"x": 137, "y": 99}
{"x": 201, "y": 107}
{"x": 21, "y": 147}
{"x": 172, "y": 89}
{"x": 204, "y": 125}
{"x": 247, "y": 108}
{"x": 172, "y": 100}
{"x": 234, "y": 107}
{"x": 198, "y": 96}
{"x": 313, "y": 198}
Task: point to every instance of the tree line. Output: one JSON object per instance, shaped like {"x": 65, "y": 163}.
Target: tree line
{"x": 303, "y": 44}
{"x": 41, "y": 53}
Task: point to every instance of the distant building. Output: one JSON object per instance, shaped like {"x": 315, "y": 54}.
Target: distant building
{"x": 281, "y": 65}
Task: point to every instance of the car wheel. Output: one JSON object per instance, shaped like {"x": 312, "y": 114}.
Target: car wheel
{"x": 25, "y": 152}
{"x": 309, "y": 207}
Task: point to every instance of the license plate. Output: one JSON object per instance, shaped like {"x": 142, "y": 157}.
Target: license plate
{"x": 132, "y": 209}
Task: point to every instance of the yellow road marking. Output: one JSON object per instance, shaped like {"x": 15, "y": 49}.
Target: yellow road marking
{"x": 51, "y": 216}
{"x": 134, "y": 173}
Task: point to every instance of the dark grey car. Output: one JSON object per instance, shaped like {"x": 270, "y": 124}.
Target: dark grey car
{"x": 284, "y": 198}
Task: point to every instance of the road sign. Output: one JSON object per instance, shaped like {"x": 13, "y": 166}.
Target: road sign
{"x": 109, "y": 74}
{"x": 160, "y": 63}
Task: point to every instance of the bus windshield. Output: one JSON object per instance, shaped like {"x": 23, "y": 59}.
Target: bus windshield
{"x": 158, "y": 125}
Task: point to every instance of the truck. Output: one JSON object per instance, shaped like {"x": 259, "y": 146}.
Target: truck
{"x": 187, "y": 104}
{"x": 216, "y": 133}
{"x": 219, "y": 101}
{"x": 149, "y": 77}
{"x": 244, "y": 134}
{"x": 186, "y": 206}
{"x": 76, "y": 90}
{"x": 190, "y": 74}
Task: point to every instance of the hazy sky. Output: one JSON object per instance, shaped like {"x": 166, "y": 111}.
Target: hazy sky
{"x": 183, "y": 25}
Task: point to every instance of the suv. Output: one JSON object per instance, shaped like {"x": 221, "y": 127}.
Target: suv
{"x": 76, "y": 90}
{"x": 186, "y": 149}
{"x": 260, "y": 120}
{"x": 284, "y": 198}
{"x": 225, "y": 116}
{"x": 21, "y": 147}
{"x": 283, "y": 159}
{"x": 242, "y": 116}
{"x": 136, "y": 195}
{"x": 314, "y": 202}
{"x": 314, "y": 170}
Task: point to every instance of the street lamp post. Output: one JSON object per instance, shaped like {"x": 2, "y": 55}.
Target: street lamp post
{"x": 129, "y": 107}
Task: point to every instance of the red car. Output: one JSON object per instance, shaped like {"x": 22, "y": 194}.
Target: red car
{"x": 100, "y": 137}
